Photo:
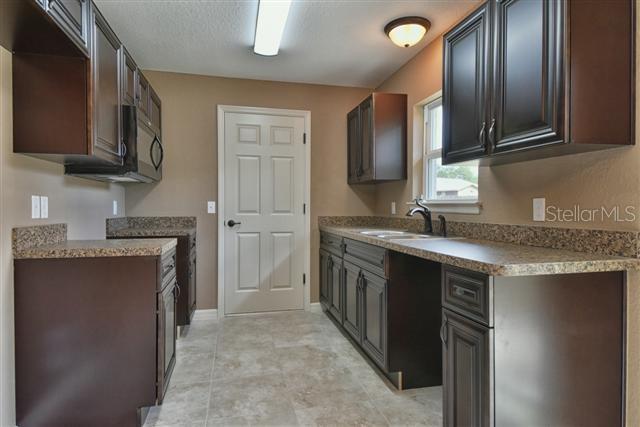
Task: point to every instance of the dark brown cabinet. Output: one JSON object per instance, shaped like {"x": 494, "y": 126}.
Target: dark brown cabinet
{"x": 500, "y": 332}
{"x": 73, "y": 17}
{"x": 377, "y": 139}
{"x": 111, "y": 323}
{"x": 155, "y": 109}
{"x": 143, "y": 94}
{"x": 325, "y": 295}
{"x": 106, "y": 67}
{"x": 527, "y": 79}
{"x": 374, "y": 317}
{"x": 335, "y": 285}
{"x": 466, "y": 55}
{"x": 466, "y": 371}
{"x": 527, "y": 75}
{"x": 389, "y": 307}
{"x": 129, "y": 78}
{"x": 352, "y": 300}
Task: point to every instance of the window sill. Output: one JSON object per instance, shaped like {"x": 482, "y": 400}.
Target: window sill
{"x": 471, "y": 207}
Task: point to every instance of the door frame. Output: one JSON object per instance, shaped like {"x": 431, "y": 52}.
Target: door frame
{"x": 306, "y": 115}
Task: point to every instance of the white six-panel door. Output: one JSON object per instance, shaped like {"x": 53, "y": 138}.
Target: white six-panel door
{"x": 264, "y": 180}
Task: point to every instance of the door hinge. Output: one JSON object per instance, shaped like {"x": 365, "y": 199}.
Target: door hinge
{"x": 304, "y": 279}
{"x": 304, "y": 209}
{"x": 304, "y": 138}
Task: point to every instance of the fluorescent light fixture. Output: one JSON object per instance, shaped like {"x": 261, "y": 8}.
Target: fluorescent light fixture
{"x": 272, "y": 17}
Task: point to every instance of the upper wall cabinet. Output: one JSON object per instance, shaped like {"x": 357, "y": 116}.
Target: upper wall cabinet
{"x": 528, "y": 79}
{"x": 377, "y": 139}
{"x": 69, "y": 86}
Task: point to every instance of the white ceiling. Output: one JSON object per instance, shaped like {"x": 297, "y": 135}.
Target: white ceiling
{"x": 325, "y": 42}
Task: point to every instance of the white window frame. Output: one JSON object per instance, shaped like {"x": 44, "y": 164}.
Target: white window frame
{"x": 460, "y": 205}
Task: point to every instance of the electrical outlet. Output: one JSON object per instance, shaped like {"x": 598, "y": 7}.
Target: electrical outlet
{"x": 393, "y": 208}
{"x": 44, "y": 207}
{"x": 539, "y": 209}
{"x": 115, "y": 207}
{"x": 35, "y": 207}
{"x": 211, "y": 207}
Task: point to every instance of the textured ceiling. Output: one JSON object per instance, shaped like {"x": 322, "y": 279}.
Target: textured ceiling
{"x": 325, "y": 42}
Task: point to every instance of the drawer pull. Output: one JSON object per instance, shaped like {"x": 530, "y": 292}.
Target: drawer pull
{"x": 443, "y": 331}
{"x": 463, "y": 292}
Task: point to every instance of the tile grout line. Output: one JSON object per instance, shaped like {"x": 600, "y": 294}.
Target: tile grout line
{"x": 213, "y": 364}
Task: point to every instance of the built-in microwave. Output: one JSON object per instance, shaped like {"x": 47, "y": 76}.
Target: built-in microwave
{"x": 143, "y": 153}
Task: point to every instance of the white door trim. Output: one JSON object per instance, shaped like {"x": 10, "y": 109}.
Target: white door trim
{"x": 222, "y": 109}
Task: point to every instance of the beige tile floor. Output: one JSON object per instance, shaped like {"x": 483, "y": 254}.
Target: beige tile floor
{"x": 283, "y": 369}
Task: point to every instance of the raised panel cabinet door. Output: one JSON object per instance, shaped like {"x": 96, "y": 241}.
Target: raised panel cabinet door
{"x": 143, "y": 95}
{"x": 352, "y": 300}
{"x": 155, "y": 111}
{"x": 335, "y": 283}
{"x": 73, "y": 17}
{"x": 374, "y": 317}
{"x": 353, "y": 145}
{"x": 464, "y": 93}
{"x": 107, "y": 115}
{"x": 324, "y": 279}
{"x": 466, "y": 355}
{"x": 528, "y": 74}
{"x": 366, "y": 140}
{"x": 129, "y": 75}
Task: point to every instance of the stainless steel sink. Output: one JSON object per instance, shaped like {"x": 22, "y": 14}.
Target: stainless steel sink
{"x": 397, "y": 235}
{"x": 380, "y": 233}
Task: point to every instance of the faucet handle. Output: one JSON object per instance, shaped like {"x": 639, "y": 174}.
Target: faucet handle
{"x": 443, "y": 225}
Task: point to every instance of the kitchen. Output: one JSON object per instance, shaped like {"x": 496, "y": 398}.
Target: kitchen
{"x": 195, "y": 90}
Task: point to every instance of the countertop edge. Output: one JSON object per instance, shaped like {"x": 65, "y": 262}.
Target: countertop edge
{"x": 51, "y": 252}
{"x": 523, "y": 269}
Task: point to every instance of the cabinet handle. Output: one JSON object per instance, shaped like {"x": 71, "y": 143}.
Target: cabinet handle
{"x": 443, "y": 330}
{"x": 463, "y": 292}
{"x": 492, "y": 129}
{"x": 177, "y": 290}
{"x": 481, "y": 135}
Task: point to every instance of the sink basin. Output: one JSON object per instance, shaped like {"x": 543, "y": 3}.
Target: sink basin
{"x": 380, "y": 233}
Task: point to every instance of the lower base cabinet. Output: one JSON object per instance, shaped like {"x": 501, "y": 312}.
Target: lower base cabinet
{"x": 526, "y": 351}
{"x": 388, "y": 304}
{"x": 466, "y": 371}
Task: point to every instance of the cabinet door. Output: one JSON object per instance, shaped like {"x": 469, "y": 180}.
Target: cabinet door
{"x": 354, "y": 146}
{"x": 107, "y": 114}
{"x": 324, "y": 279}
{"x": 129, "y": 74}
{"x": 464, "y": 94}
{"x": 366, "y": 140}
{"x": 466, "y": 371}
{"x": 143, "y": 94}
{"x": 352, "y": 300}
{"x": 155, "y": 112}
{"x": 374, "y": 317}
{"x": 335, "y": 283}
{"x": 73, "y": 17}
{"x": 528, "y": 74}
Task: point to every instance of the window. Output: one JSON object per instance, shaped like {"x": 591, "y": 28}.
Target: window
{"x": 457, "y": 182}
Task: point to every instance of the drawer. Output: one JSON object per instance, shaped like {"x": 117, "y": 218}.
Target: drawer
{"x": 370, "y": 257}
{"x": 331, "y": 243}
{"x": 468, "y": 293}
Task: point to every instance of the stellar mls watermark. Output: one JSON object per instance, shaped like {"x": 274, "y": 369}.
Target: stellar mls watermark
{"x": 577, "y": 213}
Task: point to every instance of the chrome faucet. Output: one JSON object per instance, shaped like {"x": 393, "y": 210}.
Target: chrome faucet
{"x": 423, "y": 210}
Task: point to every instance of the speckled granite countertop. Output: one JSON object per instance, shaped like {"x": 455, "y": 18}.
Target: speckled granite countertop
{"x": 98, "y": 248}
{"x": 494, "y": 258}
{"x": 152, "y": 232}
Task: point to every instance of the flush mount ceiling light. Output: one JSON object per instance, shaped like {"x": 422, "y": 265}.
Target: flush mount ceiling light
{"x": 407, "y": 31}
{"x": 272, "y": 17}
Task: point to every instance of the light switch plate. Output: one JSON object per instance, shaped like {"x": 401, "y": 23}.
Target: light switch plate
{"x": 44, "y": 207}
{"x": 35, "y": 207}
{"x": 211, "y": 207}
{"x": 539, "y": 209}
{"x": 115, "y": 207}
{"x": 393, "y": 208}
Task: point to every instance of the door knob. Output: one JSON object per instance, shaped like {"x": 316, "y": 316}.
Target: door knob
{"x": 232, "y": 223}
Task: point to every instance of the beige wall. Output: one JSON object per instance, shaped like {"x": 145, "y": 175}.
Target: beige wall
{"x": 610, "y": 178}
{"x": 189, "y": 105}
{"x": 82, "y": 204}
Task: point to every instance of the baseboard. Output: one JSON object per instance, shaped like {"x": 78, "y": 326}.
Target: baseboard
{"x": 210, "y": 314}
{"x": 315, "y": 307}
